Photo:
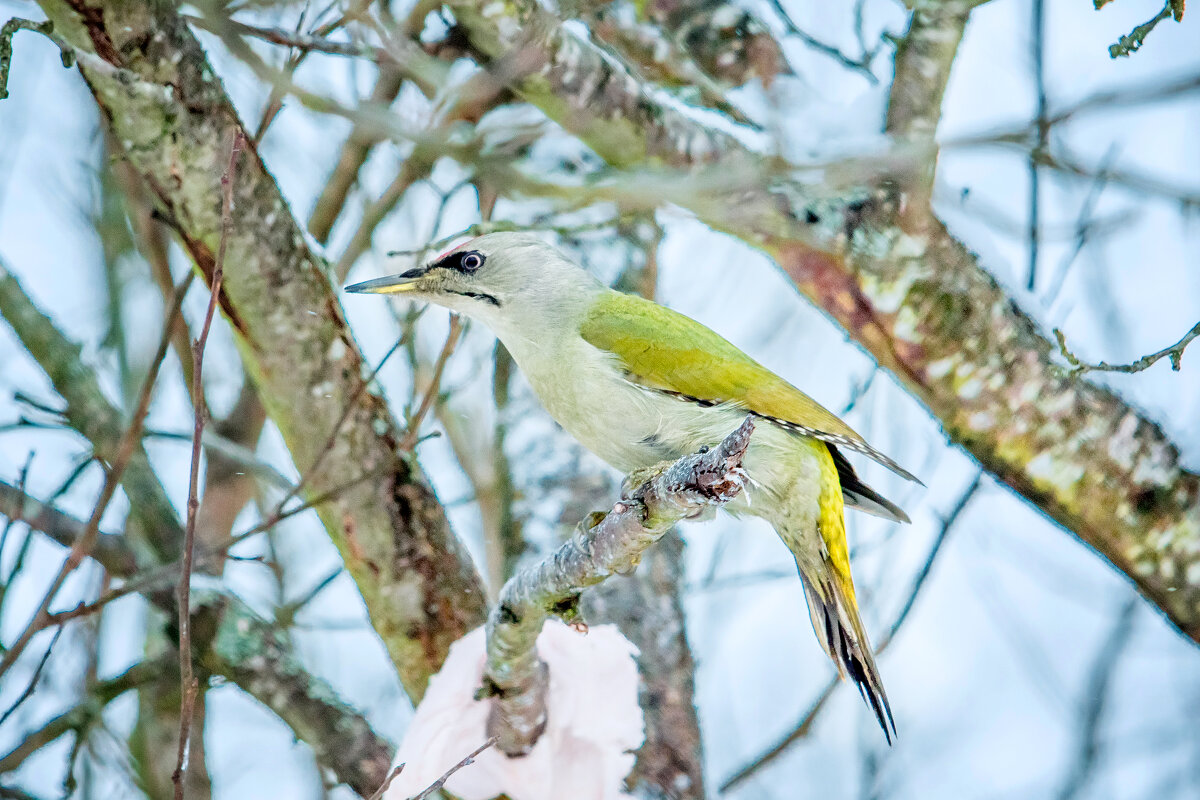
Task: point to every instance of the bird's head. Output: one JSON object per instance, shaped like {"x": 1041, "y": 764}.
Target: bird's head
{"x": 502, "y": 279}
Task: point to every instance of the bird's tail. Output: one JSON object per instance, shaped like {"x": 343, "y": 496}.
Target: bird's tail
{"x": 834, "y": 614}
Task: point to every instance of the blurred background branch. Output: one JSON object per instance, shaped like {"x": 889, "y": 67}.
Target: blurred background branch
{"x": 667, "y": 145}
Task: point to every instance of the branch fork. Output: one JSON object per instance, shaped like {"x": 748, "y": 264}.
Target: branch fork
{"x": 514, "y": 675}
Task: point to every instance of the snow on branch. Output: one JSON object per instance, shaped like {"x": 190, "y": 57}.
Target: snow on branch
{"x": 514, "y": 674}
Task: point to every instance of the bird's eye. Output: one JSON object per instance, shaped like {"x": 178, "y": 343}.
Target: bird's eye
{"x": 471, "y": 262}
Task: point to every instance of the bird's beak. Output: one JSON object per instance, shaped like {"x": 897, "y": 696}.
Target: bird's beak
{"x": 392, "y": 284}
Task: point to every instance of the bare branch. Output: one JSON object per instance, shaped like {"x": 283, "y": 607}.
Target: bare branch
{"x": 1174, "y": 354}
{"x": 10, "y": 29}
{"x": 861, "y": 65}
{"x": 79, "y": 717}
{"x": 34, "y": 680}
{"x": 110, "y": 550}
{"x": 246, "y": 649}
{"x": 354, "y": 152}
{"x": 599, "y": 549}
{"x": 126, "y": 447}
{"x": 1133, "y": 41}
{"x": 435, "y": 381}
{"x": 1095, "y": 698}
{"x": 440, "y": 782}
{"x": 187, "y": 682}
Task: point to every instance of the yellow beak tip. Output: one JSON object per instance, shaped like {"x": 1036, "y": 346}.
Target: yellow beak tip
{"x": 381, "y": 286}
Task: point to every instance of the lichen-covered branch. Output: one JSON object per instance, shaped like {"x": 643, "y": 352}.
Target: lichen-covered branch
{"x": 876, "y": 260}
{"x": 599, "y": 549}
{"x": 152, "y": 80}
{"x": 110, "y": 548}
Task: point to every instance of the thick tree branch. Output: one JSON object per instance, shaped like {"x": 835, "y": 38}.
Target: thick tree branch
{"x": 599, "y": 549}
{"x": 729, "y": 43}
{"x": 907, "y": 291}
{"x": 152, "y": 80}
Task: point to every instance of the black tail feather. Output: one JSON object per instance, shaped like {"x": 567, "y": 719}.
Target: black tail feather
{"x": 858, "y": 495}
{"x": 836, "y": 623}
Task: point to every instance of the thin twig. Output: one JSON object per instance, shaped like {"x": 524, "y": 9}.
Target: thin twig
{"x": 383, "y": 787}
{"x": 1133, "y": 41}
{"x": 505, "y": 226}
{"x": 435, "y": 381}
{"x": 150, "y": 580}
{"x": 33, "y": 682}
{"x": 187, "y": 681}
{"x": 440, "y": 782}
{"x": 6, "y": 35}
{"x": 861, "y": 65}
{"x": 124, "y": 452}
{"x": 1174, "y": 353}
{"x": 1084, "y": 227}
{"x": 1043, "y": 140}
{"x": 1096, "y": 696}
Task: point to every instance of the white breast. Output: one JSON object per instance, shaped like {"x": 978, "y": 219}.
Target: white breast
{"x": 626, "y": 425}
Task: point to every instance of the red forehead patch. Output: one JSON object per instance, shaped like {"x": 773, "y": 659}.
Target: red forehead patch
{"x": 452, "y": 249}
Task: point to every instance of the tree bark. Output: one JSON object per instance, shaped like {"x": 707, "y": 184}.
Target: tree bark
{"x": 175, "y": 123}
{"x": 602, "y": 546}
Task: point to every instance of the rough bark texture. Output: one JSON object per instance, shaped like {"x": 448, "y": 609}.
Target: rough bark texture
{"x": 601, "y": 547}
{"x": 905, "y": 289}
{"x": 730, "y": 44}
{"x": 175, "y": 124}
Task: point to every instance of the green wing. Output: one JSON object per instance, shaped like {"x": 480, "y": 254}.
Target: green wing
{"x": 662, "y": 349}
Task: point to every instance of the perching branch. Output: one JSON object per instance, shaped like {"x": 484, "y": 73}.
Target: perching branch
{"x": 514, "y": 674}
